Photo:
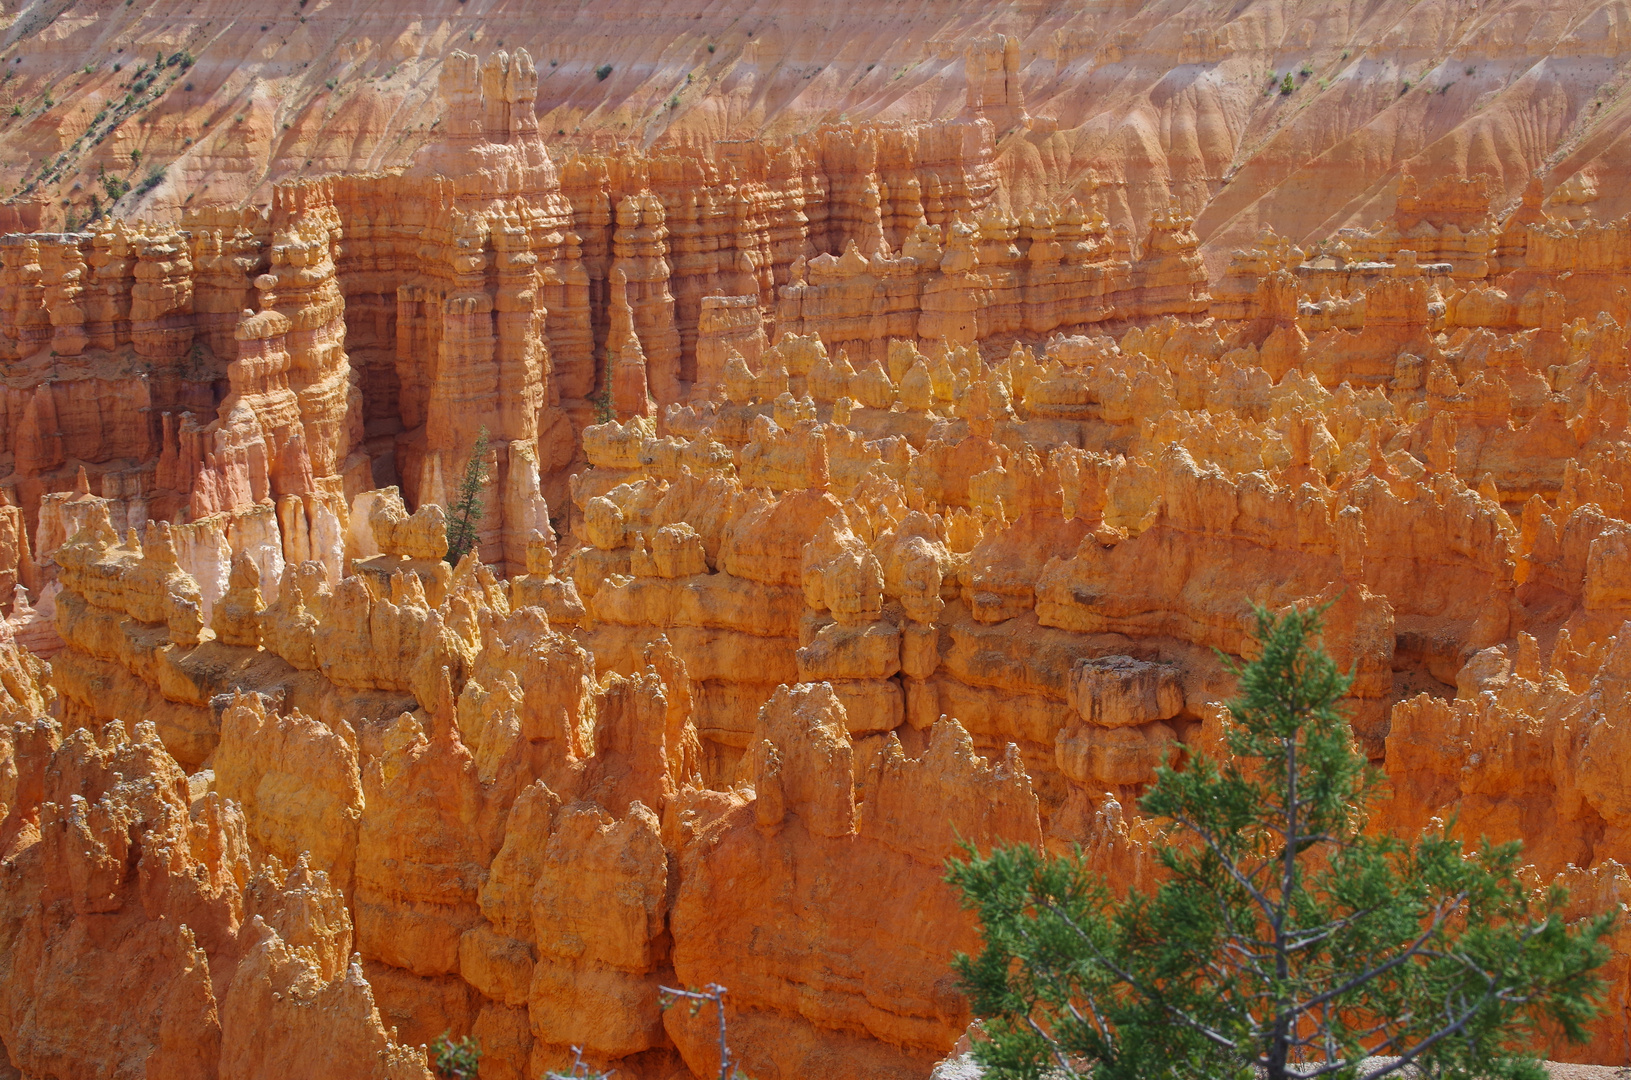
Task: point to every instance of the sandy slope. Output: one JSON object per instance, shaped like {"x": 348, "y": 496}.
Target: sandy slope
{"x": 1160, "y": 100}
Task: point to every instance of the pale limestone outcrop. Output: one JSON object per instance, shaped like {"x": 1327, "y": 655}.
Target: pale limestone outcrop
{"x": 298, "y": 784}
{"x": 541, "y": 587}
{"x": 128, "y": 615}
{"x": 506, "y": 895}
{"x": 526, "y": 698}
{"x": 391, "y": 530}
{"x": 237, "y": 619}
{"x": 139, "y": 580}
{"x": 26, "y": 690}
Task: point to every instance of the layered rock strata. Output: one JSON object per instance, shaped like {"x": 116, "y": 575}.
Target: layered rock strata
{"x": 838, "y": 512}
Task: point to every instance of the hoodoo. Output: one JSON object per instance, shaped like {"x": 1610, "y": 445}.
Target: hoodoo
{"x": 892, "y": 420}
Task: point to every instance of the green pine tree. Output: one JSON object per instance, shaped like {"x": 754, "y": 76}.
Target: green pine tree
{"x": 1284, "y": 940}
{"x": 465, "y": 513}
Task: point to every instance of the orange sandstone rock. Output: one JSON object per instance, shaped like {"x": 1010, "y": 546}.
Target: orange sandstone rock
{"x": 856, "y": 487}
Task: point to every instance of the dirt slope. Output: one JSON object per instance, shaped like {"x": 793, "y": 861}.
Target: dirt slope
{"x": 1163, "y": 100}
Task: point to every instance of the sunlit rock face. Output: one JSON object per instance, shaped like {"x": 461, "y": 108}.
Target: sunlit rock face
{"x": 888, "y": 433}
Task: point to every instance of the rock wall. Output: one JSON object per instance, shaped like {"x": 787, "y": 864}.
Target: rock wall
{"x": 797, "y": 623}
{"x": 845, "y": 501}
{"x": 516, "y": 842}
{"x": 363, "y": 328}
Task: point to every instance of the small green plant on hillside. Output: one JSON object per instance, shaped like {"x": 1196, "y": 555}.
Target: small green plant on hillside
{"x": 456, "y": 1059}
{"x": 465, "y": 513}
{"x": 1287, "y": 86}
{"x": 155, "y": 177}
{"x": 1285, "y": 941}
{"x": 1306, "y": 70}
{"x": 602, "y": 71}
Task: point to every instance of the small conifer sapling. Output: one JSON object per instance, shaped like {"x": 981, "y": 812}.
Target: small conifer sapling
{"x": 465, "y": 513}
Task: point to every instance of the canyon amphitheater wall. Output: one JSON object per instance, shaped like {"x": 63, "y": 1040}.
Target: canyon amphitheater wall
{"x": 871, "y": 467}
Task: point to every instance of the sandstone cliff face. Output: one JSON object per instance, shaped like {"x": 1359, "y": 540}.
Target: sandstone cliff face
{"x": 854, "y": 489}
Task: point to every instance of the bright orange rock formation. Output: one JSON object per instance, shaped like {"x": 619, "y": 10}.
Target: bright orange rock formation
{"x": 879, "y": 453}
